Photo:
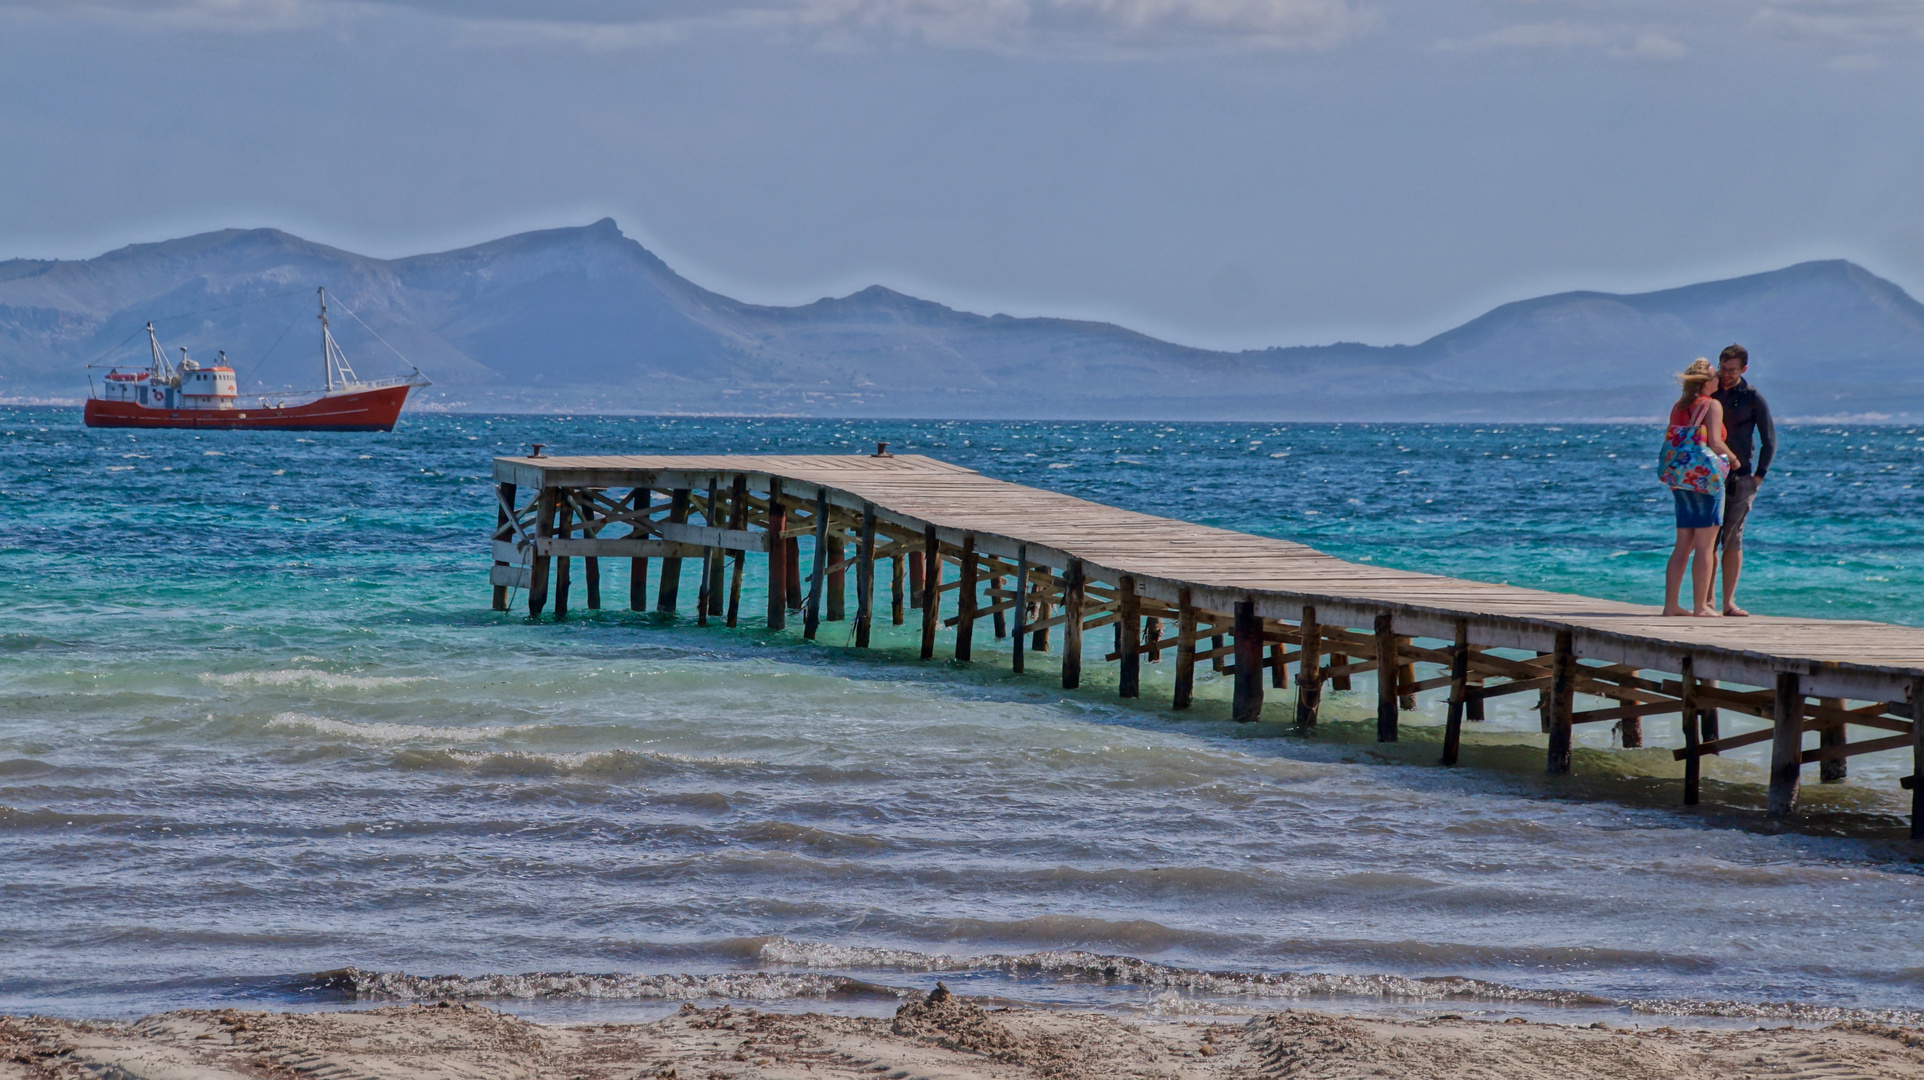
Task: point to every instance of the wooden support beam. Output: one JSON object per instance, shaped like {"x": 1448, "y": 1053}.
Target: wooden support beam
{"x": 836, "y": 608}
{"x": 1309, "y": 671}
{"x": 538, "y": 571}
{"x": 1832, "y": 769}
{"x": 812, "y": 617}
{"x": 1787, "y": 745}
{"x": 865, "y": 577}
{"x": 1459, "y": 693}
{"x": 1152, "y": 637}
{"x": 1022, "y": 588}
{"x": 777, "y": 557}
{"x": 716, "y": 557}
{"x": 931, "y": 583}
{"x": 1072, "y": 595}
{"x": 895, "y": 588}
{"x": 1247, "y": 705}
{"x": 1337, "y": 660}
{"x": 737, "y": 519}
{"x": 1689, "y": 716}
{"x": 503, "y": 519}
{"x": 1405, "y": 677}
{"x": 1185, "y": 651}
{"x": 1129, "y": 627}
{"x": 1039, "y": 629}
{"x": 919, "y": 575}
{"x": 1000, "y": 611}
{"x": 590, "y": 565}
{"x": 564, "y": 528}
{"x": 668, "y": 598}
{"x": 1560, "y": 705}
{"x": 793, "y": 579}
{"x": 965, "y": 602}
{"x": 1386, "y": 675}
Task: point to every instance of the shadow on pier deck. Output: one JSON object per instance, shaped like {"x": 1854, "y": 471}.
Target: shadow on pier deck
{"x": 1267, "y": 612}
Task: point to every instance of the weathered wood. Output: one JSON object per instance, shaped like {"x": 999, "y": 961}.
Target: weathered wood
{"x": 777, "y": 558}
{"x": 1786, "y": 745}
{"x": 1039, "y": 636}
{"x": 836, "y": 606}
{"x": 668, "y": 597}
{"x": 1001, "y": 624}
{"x": 538, "y": 570}
{"x": 564, "y": 528}
{"x": 812, "y": 617}
{"x": 865, "y": 577}
{"x": 896, "y": 615}
{"x": 1338, "y": 659}
{"x": 1690, "y": 717}
{"x": 1832, "y": 734}
{"x": 792, "y": 581}
{"x": 1405, "y": 678}
{"x": 1278, "y": 664}
{"x": 1216, "y": 646}
{"x": 1474, "y": 709}
{"x": 716, "y": 557}
{"x": 1386, "y": 675}
{"x": 1022, "y": 588}
{"x": 1711, "y": 720}
{"x": 965, "y": 606}
{"x": 1916, "y": 701}
{"x": 1072, "y": 596}
{"x": 1561, "y": 705}
{"x": 1309, "y": 671}
{"x": 1185, "y": 693}
{"x": 1129, "y": 630}
{"x": 1459, "y": 693}
{"x": 919, "y": 574}
{"x": 1246, "y": 704}
{"x": 503, "y": 518}
{"x": 931, "y": 590}
{"x": 737, "y": 519}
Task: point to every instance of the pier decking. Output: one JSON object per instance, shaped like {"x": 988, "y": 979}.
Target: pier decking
{"x": 1038, "y": 562}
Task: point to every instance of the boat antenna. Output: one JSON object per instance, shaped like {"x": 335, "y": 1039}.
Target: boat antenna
{"x": 332, "y": 358}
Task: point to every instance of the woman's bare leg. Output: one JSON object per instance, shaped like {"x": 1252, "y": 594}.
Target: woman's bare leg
{"x": 1674, "y": 570}
{"x": 1703, "y": 571}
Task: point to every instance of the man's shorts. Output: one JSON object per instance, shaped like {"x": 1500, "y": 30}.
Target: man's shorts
{"x": 1739, "y": 491}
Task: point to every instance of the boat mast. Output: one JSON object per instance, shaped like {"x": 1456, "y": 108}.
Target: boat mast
{"x": 327, "y": 344}
{"x": 162, "y": 370}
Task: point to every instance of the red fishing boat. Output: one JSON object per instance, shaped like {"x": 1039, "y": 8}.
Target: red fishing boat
{"x": 187, "y": 395}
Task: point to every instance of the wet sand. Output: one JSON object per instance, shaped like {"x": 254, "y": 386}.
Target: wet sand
{"x": 941, "y": 1037}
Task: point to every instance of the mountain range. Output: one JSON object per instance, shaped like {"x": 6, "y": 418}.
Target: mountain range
{"x": 587, "y": 320}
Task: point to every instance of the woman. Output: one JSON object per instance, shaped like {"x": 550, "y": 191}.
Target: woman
{"x": 1695, "y": 462}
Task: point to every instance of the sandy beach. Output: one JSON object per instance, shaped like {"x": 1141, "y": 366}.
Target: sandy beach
{"x": 940, "y": 1036}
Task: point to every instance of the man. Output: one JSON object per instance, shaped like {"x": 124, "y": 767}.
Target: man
{"x": 1746, "y": 423}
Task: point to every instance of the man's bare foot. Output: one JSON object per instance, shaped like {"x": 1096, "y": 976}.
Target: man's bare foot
{"x": 1735, "y": 611}
{"x": 1707, "y": 613}
{"x": 1673, "y": 610}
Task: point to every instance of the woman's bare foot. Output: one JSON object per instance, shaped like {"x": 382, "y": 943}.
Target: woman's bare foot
{"x": 1674, "y": 610}
{"x": 1707, "y": 613}
{"x": 1735, "y": 611}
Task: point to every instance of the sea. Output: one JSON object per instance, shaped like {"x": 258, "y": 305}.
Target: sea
{"x": 264, "y": 744}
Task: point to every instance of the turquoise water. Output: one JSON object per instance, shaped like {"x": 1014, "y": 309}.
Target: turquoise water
{"x": 257, "y": 723}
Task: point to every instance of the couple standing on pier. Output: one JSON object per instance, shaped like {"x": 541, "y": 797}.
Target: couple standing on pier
{"x": 1713, "y": 474}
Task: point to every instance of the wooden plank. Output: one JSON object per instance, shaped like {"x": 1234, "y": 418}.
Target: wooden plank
{"x": 507, "y": 577}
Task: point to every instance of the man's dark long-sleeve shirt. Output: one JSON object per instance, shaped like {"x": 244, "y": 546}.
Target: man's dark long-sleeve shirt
{"x": 1747, "y": 414}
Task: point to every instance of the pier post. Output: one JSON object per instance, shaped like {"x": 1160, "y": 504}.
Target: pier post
{"x": 1185, "y": 650}
{"x": 965, "y": 606}
{"x": 1247, "y": 704}
{"x": 777, "y": 557}
{"x": 1021, "y": 607}
{"x": 1405, "y": 676}
{"x": 1278, "y": 657}
{"x": 792, "y": 554}
{"x": 669, "y": 596}
{"x": 997, "y": 602}
{"x": 865, "y": 577}
{"x": 591, "y": 564}
{"x": 1129, "y": 678}
{"x": 640, "y": 499}
{"x": 716, "y": 556}
{"x": 1340, "y": 683}
{"x": 895, "y": 586}
{"x": 1692, "y": 739}
{"x": 1786, "y": 744}
{"x": 812, "y": 617}
{"x": 1834, "y": 769}
{"x": 1917, "y": 758}
{"x": 1039, "y": 641}
{"x": 564, "y": 526}
{"x": 1562, "y": 707}
{"x": 1708, "y": 722}
{"x": 1473, "y": 711}
{"x": 1387, "y": 672}
{"x": 1152, "y": 637}
{"x": 1459, "y": 692}
{"x": 931, "y": 590}
{"x": 836, "y": 610}
{"x": 1309, "y": 671}
{"x": 1072, "y": 583}
{"x": 918, "y": 578}
{"x": 538, "y": 571}
{"x": 502, "y": 531}
{"x": 738, "y": 519}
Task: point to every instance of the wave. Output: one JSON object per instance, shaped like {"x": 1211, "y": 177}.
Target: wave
{"x": 749, "y": 986}
{"x": 380, "y": 731}
{"x": 325, "y": 680}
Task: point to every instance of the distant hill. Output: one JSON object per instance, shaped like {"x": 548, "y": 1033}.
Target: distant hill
{"x": 586, "y": 319}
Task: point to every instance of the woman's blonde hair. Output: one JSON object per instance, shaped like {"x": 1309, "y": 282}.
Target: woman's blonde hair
{"x": 1694, "y": 378}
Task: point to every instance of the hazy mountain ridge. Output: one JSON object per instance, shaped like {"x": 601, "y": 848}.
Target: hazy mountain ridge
{"x": 585, "y": 318}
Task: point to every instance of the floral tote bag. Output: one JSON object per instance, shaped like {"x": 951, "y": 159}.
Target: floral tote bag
{"x": 1687, "y": 462}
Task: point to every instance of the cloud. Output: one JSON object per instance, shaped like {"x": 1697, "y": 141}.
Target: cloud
{"x": 1644, "y": 43}
{"x": 1853, "y": 21}
{"x": 1002, "y": 25}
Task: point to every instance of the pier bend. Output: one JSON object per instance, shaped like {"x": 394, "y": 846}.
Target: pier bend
{"x": 1047, "y": 568}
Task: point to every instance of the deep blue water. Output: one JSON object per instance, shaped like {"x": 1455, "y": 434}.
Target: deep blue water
{"x": 257, "y": 721}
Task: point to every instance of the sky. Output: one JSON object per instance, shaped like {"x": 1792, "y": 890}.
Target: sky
{"x": 1225, "y": 173}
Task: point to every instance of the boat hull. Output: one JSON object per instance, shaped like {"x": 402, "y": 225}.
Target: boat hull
{"x": 366, "y": 410}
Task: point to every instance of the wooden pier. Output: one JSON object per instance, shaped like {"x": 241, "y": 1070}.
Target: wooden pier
{"x": 1047, "y": 568}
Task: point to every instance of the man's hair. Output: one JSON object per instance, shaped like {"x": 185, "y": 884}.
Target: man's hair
{"x": 1735, "y": 352}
